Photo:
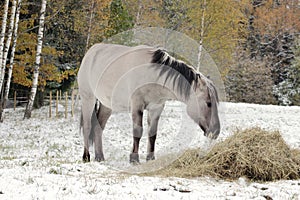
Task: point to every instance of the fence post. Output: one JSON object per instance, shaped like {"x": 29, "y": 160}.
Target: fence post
{"x": 66, "y": 105}
{"x": 72, "y": 105}
{"x": 59, "y": 95}
{"x": 50, "y": 104}
{"x": 15, "y": 100}
{"x": 56, "y": 104}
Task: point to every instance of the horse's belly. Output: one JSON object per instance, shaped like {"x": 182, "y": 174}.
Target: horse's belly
{"x": 119, "y": 103}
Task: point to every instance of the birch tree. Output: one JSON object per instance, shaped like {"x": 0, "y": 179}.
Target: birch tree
{"x": 8, "y": 41}
{"x": 37, "y": 61}
{"x": 2, "y": 36}
{"x": 201, "y": 36}
{"x": 91, "y": 17}
{"x": 11, "y": 61}
{"x": 216, "y": 25}
{"x": 145, "y": 13}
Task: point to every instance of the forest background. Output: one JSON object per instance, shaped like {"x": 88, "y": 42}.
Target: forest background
{"x": 255, "y": 43}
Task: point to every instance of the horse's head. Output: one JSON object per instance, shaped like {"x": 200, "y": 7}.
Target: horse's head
{"x": 202, "y": 106}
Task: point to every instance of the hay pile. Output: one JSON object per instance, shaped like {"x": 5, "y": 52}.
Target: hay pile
{"x": 253, "y": 153}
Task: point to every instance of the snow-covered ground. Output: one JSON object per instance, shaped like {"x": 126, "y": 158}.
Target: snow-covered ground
{"x": 40, "y": 158}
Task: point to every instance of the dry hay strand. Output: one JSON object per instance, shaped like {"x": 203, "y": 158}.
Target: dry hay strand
{"x": 253, "y": 153}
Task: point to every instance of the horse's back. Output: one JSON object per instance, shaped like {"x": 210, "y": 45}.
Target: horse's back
{"x": 94, "y": 62}
{"x": 104, "y": 64}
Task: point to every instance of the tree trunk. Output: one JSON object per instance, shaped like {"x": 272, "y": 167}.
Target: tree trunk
{"x": 92, "y": 8}
{"x": 201, "y": 36}
{"x": 138, "y": 14}
{"x": 37, "y": 61}
{"x": 11, "y": 61}
{"x": 2, "y": 36}
{"x": 7, "y": 44}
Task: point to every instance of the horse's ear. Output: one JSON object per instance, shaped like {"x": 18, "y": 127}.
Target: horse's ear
{"x": 196, "y": 81}
{"x": 200, "y": 81}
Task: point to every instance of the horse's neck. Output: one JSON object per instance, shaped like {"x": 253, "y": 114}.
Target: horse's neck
{"x": 169, "y": 91}
{"x": 158, "y": 93}
{"x": 174, "y": 86}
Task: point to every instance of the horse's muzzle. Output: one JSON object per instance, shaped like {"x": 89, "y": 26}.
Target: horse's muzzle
{"x": 212, "y": 134}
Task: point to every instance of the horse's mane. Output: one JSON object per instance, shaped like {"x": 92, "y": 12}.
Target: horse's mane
{"x": 182, "y": 74}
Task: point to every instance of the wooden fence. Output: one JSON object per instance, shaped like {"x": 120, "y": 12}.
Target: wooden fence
{"x": 69, "y": 101}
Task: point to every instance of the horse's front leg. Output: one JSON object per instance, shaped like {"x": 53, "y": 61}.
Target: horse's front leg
{"x": 137, "y": 119}
{"x": 153, "y": 117}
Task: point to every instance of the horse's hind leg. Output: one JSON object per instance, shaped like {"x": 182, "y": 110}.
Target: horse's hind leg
{"x": 153, "y": 117}
{"x": 103, "y": 114}
{"x": 87, "y": 110}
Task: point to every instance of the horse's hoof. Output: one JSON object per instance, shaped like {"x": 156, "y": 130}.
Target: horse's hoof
{"x": 99, "y": 158}
{"x": 150, "y": 156}
{"x": 134, "y": 158}
{"x": 86, "y": 158}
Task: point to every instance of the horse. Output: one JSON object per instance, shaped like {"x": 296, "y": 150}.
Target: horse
{"x": 135, "y": 79}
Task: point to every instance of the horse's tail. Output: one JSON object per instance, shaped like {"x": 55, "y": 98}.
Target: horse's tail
{"x": 94, "y": 120}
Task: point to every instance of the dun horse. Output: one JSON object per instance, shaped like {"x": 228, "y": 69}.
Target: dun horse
{"x": 136, "y": 79}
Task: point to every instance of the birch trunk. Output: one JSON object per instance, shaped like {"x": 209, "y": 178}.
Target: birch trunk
{"x": 37, "y": 61}
{"x": 2, "y": 36}
{"x": 138, "y": 14}
{"x": 11, "y": 61}
{"x": 201, "y": 36}
{"x": 8, "y": 41}
{"x": 92, "y": 8}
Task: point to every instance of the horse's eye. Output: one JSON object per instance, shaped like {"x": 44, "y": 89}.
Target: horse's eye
{"x": 208, "y": 104}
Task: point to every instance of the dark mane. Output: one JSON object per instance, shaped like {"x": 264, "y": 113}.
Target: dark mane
{"x": 183, "y": 75}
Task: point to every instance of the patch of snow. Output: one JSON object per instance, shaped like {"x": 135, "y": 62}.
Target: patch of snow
{"x": 41, "y": 157}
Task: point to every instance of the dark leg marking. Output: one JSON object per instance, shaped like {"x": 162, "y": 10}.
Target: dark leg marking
{"x": 134, "y": 156}
{"x": 150, "y": 155}
{"x": 137, "y": 118}
{"x": 86, "y": 155}
{"x": 153, "y": 118}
